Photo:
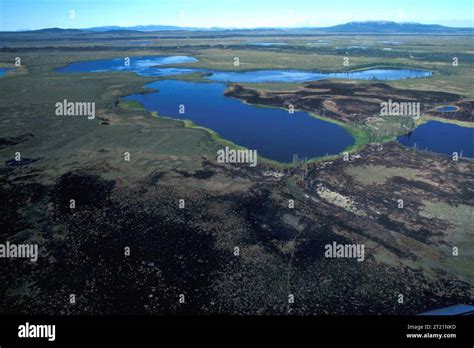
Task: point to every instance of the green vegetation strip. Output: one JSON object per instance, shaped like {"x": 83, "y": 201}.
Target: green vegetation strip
{"x": 427, "y": 118}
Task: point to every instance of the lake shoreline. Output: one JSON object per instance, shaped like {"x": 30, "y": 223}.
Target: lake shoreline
{"x": 221, "y": 139}
{"x": 147, "y": 66}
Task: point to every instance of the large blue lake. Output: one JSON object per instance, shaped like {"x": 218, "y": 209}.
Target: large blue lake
{"x": 149, "y": 66}
{"x": 144, "y": 66}
{"x": 441, "y": 137}
{"x": 304, "y": 76}
{"x": 274, "y": 133}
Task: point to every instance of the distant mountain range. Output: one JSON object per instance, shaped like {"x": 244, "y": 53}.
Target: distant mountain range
{"x": 362, "y": 27}
{"x": 367, "y": 27}
{"x": 393, "y": 27}
{"x": 141, "y": 28}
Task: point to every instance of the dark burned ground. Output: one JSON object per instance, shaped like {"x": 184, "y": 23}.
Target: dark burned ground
{"x": 191, "y": 251}
{"x": 354, "y": 101}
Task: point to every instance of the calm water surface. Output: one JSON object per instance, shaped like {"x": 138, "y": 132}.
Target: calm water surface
{"x": 144, "y": 66}
{"x": 441, "y": 137}
{"x": 149, "y": 66}
{"x": 302, "y": 76}
{"x": 274, "y": 133}
{"x": 447, "y": 108}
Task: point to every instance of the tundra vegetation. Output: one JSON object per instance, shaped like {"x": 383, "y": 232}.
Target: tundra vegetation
{"x": 182, "y": 214}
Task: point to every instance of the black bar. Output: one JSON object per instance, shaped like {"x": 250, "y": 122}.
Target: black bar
{"x": 191, "y": 330}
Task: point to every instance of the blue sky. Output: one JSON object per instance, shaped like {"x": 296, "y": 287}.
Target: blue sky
{"x": 38, "y": 14}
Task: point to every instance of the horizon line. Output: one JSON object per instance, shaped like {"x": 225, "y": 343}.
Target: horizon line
{"x": 239, "y": 28}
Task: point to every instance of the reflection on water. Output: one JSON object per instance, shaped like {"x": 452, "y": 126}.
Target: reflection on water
{"x": 149, "y": 66}
{"x": 302, "y": 76}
